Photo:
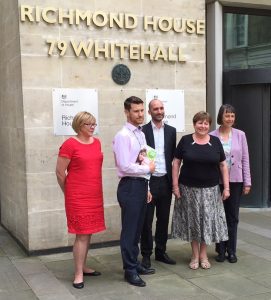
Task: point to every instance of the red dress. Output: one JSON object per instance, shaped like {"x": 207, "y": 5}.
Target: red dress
{"x": 83, "y": 186}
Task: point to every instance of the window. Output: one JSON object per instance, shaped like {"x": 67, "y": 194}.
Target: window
{"x": 247, "y": 41}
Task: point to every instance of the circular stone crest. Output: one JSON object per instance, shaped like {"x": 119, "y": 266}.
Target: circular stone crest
{"x": 121, "y": 74}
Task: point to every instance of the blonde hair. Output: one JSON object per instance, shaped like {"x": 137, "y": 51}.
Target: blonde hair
{"x": 81, "y": 118}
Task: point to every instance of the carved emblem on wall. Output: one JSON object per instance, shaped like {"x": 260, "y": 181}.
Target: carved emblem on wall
{"x": 121, "y": 74}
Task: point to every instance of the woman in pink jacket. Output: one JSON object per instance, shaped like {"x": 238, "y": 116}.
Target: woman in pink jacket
{"x": 234, "y": 143}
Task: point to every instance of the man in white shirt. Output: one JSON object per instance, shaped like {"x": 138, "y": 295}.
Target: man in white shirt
{"x": 162, "y": 137}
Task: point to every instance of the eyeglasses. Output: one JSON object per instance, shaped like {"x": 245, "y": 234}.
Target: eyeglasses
{"x": 90, "y": 125}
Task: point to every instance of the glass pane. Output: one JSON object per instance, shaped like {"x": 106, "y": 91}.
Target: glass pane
{"x": 247, "y": 41}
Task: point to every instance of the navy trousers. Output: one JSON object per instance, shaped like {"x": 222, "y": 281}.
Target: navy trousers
{"x": 132, "y": 198}
{"x": 231, "y": 206}
{"x": 161, "y": 200}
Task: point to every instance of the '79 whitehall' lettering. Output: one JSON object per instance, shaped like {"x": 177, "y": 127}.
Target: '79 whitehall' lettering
{"x": 108, "y": 50}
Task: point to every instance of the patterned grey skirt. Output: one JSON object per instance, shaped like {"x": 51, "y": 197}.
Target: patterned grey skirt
{"x": 199, "y": 215}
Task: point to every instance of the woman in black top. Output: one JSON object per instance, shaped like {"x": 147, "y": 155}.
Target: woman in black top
{"x": 198, "y": 213}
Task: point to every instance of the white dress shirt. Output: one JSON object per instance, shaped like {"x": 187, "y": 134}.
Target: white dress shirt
{"x": 159, "y": 142}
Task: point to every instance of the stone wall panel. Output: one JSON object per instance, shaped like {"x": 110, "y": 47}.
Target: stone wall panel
{"x": 41, "y": 72}
{"x": 47, "y": 230}
{"x": 27, "y": 77}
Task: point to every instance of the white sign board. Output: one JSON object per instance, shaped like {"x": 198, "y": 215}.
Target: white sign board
{"x": 174, "y": 106}
{"x": 67, "y": 103}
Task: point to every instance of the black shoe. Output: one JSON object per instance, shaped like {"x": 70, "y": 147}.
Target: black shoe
{"x": 232, "y": 258}
{"x": 134, "y": 279}
{"x": 146, "y": 262}
{"x": 144, "y": 271}
{"x": 94, "y": 273}
{"x": 79, "y": 285}
{"x": 220, "y": 257}
{"x": 165, "y": 259}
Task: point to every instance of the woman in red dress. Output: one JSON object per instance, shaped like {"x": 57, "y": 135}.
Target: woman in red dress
{"x": 79, "y": 174}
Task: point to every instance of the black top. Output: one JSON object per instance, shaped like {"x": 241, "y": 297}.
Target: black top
{"x": 200, "y": 162}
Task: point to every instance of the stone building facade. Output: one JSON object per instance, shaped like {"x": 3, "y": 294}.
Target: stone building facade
{"x": 32, "y": 206}
{"x": 49, "y": 44}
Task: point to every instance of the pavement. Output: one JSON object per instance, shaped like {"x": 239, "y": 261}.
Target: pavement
{"x": 49, "y": 277}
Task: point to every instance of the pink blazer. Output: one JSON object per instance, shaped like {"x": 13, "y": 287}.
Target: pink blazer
{"x": 240, "y": 169}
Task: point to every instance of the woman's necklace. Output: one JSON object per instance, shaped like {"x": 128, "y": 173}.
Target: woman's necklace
{"x": 201, "y": 141}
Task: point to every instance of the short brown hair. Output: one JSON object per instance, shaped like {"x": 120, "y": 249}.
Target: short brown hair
{"x": 132, "y": 100}
{"x": 202, "y": 116}
{"x": 81, "y": 118}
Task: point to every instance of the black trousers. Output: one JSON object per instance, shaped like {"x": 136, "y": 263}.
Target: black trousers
{"x": 161, "y": 191}
{"x": 231, "y": 206}
{"x": 132, "y": 198}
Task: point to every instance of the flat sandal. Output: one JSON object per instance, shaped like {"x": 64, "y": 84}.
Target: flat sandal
{"x": 194, "y": 264}
{"x": 205, "y": 264}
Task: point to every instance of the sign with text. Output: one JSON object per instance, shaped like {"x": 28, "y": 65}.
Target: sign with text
{"x": 126, "y": 22}
{"x": 67, "y": 103}
{"x": 174, "y": 106}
